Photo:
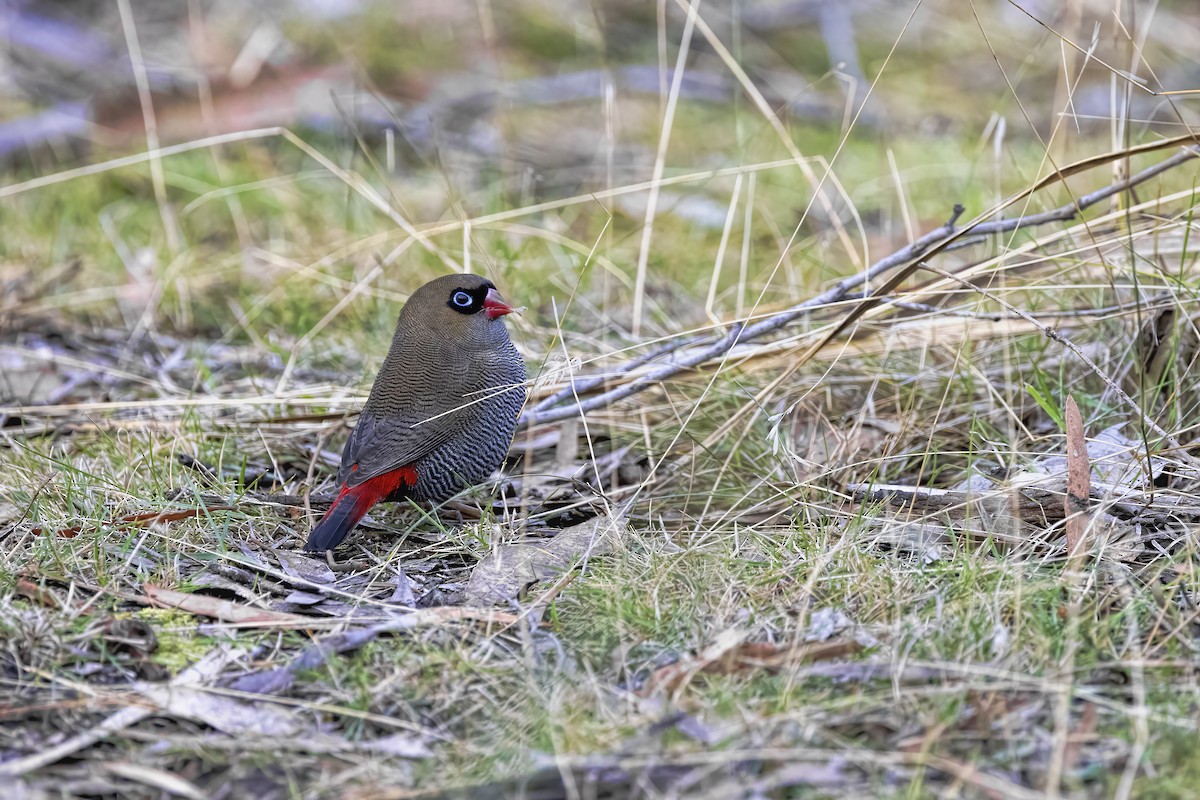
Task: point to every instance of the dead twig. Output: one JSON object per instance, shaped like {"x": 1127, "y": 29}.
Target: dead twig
{"x": 701, "y": 349}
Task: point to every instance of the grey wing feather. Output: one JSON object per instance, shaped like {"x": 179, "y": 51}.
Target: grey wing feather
{"x": 377, "y": 449}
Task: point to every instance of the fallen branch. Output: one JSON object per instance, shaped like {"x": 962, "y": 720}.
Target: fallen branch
{"x": 695, "y": 351}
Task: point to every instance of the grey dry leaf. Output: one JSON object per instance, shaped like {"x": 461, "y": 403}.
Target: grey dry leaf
{"x": 203, "y": 671}
{"x": 304, "y": 568}
{"x": 168, "y": 782}
{"x": 226, "y": 714}
{"x": 210, "y": 580}
{"x": 825, "y": 622}
{"x": 403, "y": 594}
{"x": 831, "y": 773}
{"x": 507, "y": 570}
{"x": 403, "y": 745}
{"x": 299, "y": 598}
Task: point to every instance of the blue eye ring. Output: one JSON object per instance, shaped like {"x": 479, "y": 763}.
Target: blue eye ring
{"x": 461, "y": 299}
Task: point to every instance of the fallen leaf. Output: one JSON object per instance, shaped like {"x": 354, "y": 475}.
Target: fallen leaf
{"x": 226, "y": 714}
{"x": 826, "y": 774}
{"x": 505, "y": 572}
{"x": 168, "y": 782}
{"x": 876, "y": 670}
{"x": 442, "y": 614}
{"x": 696, "y": 729}
{"x": 1076, "y": 500}
{"x": 300, "y": 598}
{"x": 1116, "y": 460}
{"x": 403, "y": 594}
{"x": 28, "y": 588}
{"x": 267, "y": 681}
{"x": 675, "y": 676}
{"x": 304, "y": 568}
{"x": 210, "y": 580}
{"x": 137, "y": 520}
{"x": 1084, "y": 731}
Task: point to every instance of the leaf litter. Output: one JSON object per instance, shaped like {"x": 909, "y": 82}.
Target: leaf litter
{"x": 475, "y": 599}
{"x": 446, "y": 581}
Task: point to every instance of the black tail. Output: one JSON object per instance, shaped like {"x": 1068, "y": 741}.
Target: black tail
{"x": 337, "y": 523}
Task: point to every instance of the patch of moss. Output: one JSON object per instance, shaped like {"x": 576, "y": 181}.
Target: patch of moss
{"x": 179, "y": 645}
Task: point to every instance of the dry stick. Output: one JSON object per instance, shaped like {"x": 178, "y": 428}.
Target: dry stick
{"x": 1187, "y": 141}
{"x": 592, "y": 381}
{"x": 911, "y": 256}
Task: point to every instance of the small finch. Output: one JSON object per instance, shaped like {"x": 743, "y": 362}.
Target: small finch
{"x": 442, "y": 410}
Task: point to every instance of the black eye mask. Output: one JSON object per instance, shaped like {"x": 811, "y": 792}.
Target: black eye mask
{"x": 469, "y": 301}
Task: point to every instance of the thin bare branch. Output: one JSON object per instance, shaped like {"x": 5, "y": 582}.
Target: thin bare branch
{"x": 702, "y": 349}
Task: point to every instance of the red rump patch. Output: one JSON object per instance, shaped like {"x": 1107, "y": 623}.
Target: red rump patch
{"x": 353, "y": 502}
{"x": 378, "y": 488}
{"x": 371, "y": 492}
{"x": 405, "y": 476}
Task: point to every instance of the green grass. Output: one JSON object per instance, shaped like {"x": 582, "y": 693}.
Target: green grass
{"x": 748, "y": 528}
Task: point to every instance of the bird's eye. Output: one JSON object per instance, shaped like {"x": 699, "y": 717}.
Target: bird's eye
{"x": 461, "y": 299}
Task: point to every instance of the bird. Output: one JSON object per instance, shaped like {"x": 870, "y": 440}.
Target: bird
{"x": 442, "y": 410}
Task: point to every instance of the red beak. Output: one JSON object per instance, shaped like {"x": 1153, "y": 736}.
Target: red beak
{"x": 494, "y": 305}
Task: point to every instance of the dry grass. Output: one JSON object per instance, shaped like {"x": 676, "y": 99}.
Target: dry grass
{"x": 764, "y": 620}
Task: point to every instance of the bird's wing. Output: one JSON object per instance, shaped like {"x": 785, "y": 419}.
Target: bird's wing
{"x": 379, "y": 445}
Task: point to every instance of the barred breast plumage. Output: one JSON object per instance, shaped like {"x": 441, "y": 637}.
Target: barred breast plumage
{"x": 442, "y": 410}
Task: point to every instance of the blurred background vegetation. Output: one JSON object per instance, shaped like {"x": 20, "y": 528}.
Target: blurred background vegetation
{"x": 454, "y": 111}
{"x": 172, "y": 324}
